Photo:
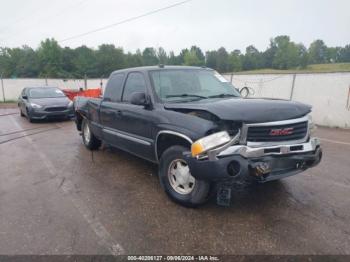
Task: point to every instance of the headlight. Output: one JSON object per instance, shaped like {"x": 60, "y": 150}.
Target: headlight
{"x": 311, "y": 125}
{"x": 35, "y": 105}
{"x": 207, "y": 143}
{"x": 70, "y": 104}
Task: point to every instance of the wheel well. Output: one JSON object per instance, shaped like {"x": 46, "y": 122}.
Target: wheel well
{"x": 164, "y": 141}
{"x": 78, "y": 120}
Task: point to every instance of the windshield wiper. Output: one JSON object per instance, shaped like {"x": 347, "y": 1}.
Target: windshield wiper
{"x": 186, "y": 95}
{"x": 222, "y": 95}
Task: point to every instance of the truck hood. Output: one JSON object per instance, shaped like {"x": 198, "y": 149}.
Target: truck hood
{"x": 246, "y": 110}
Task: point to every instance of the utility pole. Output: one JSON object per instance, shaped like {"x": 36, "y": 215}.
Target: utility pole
{"x": 2, "y": 88}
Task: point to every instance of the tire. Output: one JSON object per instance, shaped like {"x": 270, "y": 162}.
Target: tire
{"x": 30, "y": 119}
{"x": 21, "y": 113}
{"x": 89, "y": 139}
{"x": 194, "y": 193}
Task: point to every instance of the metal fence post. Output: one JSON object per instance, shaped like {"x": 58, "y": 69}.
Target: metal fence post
{"x": 3, "y": 88}
{"x": 85, "y": 82}
{"x": 292, "y": 89}
{"x": 348, "y": 101}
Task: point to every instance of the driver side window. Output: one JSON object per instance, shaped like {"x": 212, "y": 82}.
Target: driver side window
{"x": 134, "y": 83}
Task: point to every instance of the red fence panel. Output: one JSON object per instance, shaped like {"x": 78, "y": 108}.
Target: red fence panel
{"x": 96, "y": 92}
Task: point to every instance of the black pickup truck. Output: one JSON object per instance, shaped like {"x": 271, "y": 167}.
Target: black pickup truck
{"x": 196, "y": 126}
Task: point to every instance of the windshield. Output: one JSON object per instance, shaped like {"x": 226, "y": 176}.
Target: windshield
{"x": 191, "y": 84}
{"x": 45, "y": 93}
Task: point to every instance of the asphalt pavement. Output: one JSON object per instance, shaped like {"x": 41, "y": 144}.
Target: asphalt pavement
{"x": 56, "y": 197}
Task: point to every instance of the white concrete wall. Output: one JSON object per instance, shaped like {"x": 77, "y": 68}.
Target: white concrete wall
{"x": 328, "y": 93}
{"x": 13, "y": 87}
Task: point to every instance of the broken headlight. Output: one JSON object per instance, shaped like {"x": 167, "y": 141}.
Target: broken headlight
{"x": 207, "y": 143}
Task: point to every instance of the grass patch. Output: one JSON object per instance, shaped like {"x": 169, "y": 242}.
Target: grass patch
{"x": 318, "y": 68}
{"x": 8, "y": 102}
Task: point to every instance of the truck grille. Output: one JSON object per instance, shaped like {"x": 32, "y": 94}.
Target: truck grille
{"x": 276, "y": 133}
{"x": 55, "y": 109}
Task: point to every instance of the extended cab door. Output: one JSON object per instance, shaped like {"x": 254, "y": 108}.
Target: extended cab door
{"x": 135, "y": 121}
{"x": 109, "y": 109}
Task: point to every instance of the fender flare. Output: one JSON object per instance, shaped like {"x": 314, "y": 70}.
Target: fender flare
{"x": 169, "y": 132}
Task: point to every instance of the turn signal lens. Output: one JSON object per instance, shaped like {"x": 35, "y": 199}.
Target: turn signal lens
{"x": 207, "y": 143}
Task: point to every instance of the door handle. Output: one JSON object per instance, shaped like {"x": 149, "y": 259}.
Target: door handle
{"x": 119, "y": 113}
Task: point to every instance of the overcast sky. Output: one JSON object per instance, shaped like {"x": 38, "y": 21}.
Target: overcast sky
{"x": 209, "y": 24}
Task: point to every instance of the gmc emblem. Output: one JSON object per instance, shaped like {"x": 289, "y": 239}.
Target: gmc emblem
{"x": 282, "y": 131}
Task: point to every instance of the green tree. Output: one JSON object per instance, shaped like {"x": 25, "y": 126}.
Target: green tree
{"x": 149, "y": 56}
{"x": 68, "y": 57}
{"x": 318, "y": 52}
{"x": 222, "y": 60}
{"x": 234, "y": 61}
{"x": 181, "y": 57}
{"x": 199, "y": 55}
{"x": 162, "y": 56}
{"x": 191, "y": 59}
{"x": 4, "y": 61}
{"x": 287, "y": 53}
{"x": 173, "y": 59}
{"x": 108, "y": 59}
{"x": 19, "y": 62}
{"x": 134, "y": 60}
{"x": 50, "y": 59}
{"x": 85, "y": 62}
{"x": 344, "y": 54}
{"x": 269, "y": 54}
{"x": 211, "y": 59}
{"x": 252, "y": 58}
{"x": 303, "y": 56}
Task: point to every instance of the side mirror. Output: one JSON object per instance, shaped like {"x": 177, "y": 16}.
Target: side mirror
{"x": 139, "y": 98}
{"x": 25, "y": 97}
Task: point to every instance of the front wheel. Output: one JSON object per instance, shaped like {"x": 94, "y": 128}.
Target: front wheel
{"x": 177, "y": 181}
{"x": 29, "y": 117}
{"x": 89, "y": 139}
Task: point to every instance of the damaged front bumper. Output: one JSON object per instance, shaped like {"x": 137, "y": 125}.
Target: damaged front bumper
{"x": 241, "y": 162}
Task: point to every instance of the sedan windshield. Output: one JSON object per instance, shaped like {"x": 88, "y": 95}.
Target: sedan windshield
{"x": 174, "y": 85}
{"x": 43, "y": 92}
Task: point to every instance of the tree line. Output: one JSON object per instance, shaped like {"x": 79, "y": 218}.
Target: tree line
{"x": 52, "y": 60}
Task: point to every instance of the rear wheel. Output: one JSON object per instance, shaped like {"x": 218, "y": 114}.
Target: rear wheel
{"x": 89, "y": 139}
{"x": 177, "y": 180}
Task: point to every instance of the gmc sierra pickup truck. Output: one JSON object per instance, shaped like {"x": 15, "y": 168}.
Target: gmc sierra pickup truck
{"x": 195, "y": 125}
